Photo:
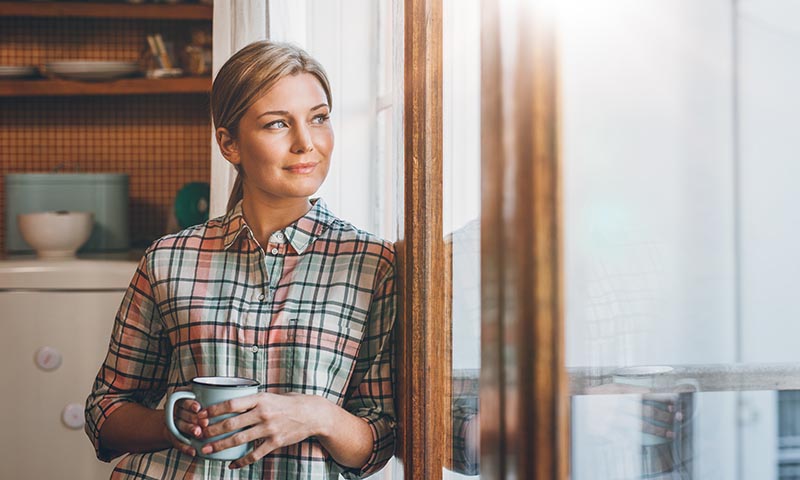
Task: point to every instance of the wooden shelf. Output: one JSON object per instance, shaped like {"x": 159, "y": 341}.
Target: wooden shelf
{"x": 126, "y": 86}
{"x": 178, "y": 11}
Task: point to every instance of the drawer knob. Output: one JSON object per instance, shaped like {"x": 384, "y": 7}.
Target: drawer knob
{"x": 48, "y": 358}
{"x": 72, "y": 416}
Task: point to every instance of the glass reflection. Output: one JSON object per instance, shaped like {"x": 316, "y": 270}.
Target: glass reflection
{"x": 678, "y": 138}
{"x": 461, "y": 211}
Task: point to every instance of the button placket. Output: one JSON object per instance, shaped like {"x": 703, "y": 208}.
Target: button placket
{"x": 267, "y": 294}
{"x": 263, "y": 279}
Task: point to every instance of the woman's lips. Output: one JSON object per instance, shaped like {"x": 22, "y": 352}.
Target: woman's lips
{"x": 301, "y": 168}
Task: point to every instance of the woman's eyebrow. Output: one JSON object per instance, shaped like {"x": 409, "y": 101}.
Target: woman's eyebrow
{"x": 274, "y": 112}
{"x": 285, "y": 113}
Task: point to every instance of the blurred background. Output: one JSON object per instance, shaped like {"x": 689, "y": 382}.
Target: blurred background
{"x": 678, "y": 162}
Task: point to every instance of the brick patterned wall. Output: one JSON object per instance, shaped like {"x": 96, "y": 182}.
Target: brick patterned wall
{"x": 160, "y": 141}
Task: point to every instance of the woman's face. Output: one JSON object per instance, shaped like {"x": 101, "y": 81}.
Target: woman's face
{"x": 285, "y": 140}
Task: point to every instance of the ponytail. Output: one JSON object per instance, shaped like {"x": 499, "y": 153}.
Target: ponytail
{"x": 238, "y": 191}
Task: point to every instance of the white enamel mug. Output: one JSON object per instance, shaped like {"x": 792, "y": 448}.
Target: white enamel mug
{"x": 211, "y": 391}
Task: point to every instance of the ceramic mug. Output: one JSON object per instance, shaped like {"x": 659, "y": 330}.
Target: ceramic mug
{"x": 654, "y": 377}
{"x": 210, "y": 391}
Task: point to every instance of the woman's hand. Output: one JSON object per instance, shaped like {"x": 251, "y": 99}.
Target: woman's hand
{"x": 275, "y": 420}
{"x": 188, "y": 423}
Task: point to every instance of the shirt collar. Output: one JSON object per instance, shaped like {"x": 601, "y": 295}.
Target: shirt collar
{"x": 300, "y": 234}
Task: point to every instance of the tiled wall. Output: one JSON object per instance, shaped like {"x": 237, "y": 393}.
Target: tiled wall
{"x": 161, "y": 141}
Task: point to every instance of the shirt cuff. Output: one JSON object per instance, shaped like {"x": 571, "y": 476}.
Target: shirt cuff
{"x": 382, "y": 447}
{"x": 95, "y": 418}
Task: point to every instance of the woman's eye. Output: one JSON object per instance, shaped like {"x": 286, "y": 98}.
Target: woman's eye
{"x": 276, "y": 124}
{"x": 320, "y": 118}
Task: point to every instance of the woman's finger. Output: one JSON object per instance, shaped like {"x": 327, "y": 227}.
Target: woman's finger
{"x": 187, "y": 428}
{"x": 186, "y": 410}
{"x": 258, "y": 453}
{"x": 657, "y": 414}
{"x": 187, "y": 417}
{"x": 243, "y": 420}
{"x": 235, "y": 405}
{"x": 657, "y": 430}
{"x": 238, "y": 438}
{"x": 178, "y": 445}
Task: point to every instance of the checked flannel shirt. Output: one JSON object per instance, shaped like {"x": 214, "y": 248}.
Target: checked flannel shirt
{"x": 311, "y": 312}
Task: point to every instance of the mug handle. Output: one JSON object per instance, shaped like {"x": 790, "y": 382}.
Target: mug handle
{"x": 170, "y": 411}
{"x": 690, "y": 382}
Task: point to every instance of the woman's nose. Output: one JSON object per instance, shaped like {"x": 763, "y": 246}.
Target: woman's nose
{"x": 302, "y": 140}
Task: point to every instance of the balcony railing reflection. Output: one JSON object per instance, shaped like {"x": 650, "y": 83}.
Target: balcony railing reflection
{"x": 735, "y": 377}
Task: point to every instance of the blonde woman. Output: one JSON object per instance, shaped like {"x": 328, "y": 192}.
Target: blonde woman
{"x": 279, "y": 290}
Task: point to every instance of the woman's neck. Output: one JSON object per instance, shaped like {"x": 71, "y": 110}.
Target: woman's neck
{"x": 267, "y": 216}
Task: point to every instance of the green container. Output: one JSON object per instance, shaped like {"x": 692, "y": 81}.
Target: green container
{"x": 104, "y": 194}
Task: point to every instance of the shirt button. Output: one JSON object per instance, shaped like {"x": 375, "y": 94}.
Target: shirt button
{"x": 279, "y": 236}
{"x": 274, "y": 251}
{"x": 261, "y": 297}
{"x": 254, "y": 348}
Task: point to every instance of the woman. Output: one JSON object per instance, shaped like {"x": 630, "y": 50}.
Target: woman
{"x": 278, "y": 290}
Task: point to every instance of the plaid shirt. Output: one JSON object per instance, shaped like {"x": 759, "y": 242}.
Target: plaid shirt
{"x": 311, "y": 312}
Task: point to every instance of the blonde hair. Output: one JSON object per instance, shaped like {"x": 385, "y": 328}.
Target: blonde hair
{"x": 247, "y": 76}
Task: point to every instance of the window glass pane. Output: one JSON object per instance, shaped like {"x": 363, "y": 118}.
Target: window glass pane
{"x": 678, "y": 188}
{"x": 461, "y": 216}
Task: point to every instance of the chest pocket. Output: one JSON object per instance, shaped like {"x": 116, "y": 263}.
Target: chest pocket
{"x": 324, "y": 352}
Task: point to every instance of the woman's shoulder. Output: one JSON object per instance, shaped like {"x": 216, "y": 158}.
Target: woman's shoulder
{"x": 206, "y": 236}
{"x": 366, "y": 242}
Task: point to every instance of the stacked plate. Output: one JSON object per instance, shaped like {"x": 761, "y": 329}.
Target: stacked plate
{"x": 91, "y": 70}
{"x": 10, "y": 71}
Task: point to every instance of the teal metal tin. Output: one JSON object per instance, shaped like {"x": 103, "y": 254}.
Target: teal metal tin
{"x": 104, "y": 194}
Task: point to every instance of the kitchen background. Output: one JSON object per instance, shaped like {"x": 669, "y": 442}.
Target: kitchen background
{"x": 161, "y": 139}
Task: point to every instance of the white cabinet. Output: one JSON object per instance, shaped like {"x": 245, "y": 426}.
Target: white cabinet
{"x": 42, "y": 435}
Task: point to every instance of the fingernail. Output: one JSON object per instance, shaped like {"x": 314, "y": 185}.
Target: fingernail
{"x": 192, "y": 452}
{"x": 207, "y": 449}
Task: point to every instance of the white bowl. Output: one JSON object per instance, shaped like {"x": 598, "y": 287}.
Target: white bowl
{"x": 56, "y": 234}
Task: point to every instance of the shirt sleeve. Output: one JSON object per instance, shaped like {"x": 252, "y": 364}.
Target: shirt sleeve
{"x": 370, "y": 395}
{"x": 136, "y": 365}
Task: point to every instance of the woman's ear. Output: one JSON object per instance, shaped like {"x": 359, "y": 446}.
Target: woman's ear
{"x": 228, "y": 146}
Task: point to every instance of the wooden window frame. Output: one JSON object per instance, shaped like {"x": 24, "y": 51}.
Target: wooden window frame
{"x": 523, "y": 397}
{"x": 422, "y": 330}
